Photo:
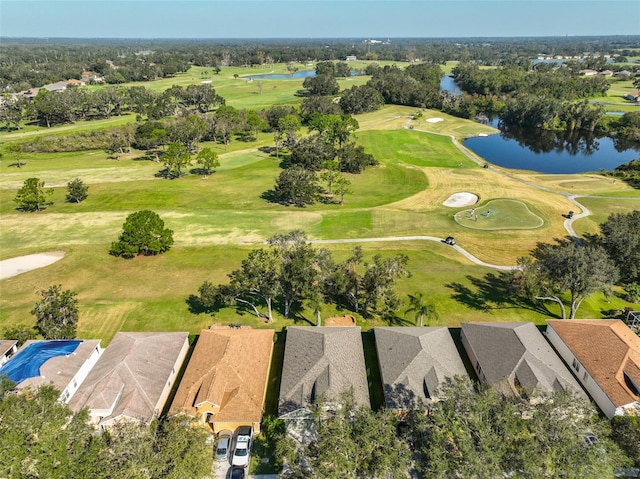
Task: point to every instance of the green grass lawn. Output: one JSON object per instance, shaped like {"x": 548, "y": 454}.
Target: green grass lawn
{"x": 499, "y": 215}
{"x": 218, "y": 219}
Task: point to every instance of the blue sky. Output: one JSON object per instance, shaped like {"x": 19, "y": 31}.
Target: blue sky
{"x": 316, "y": 18}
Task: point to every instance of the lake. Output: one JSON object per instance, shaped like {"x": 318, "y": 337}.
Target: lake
{"x": 283, "y": 76}
{"x": 551, "y": 152}
{"x": 547, "y": 151}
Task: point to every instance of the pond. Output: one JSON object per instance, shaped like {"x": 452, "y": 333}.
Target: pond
{"x": 551, "y": 152}
{"x": 283, "y": 76}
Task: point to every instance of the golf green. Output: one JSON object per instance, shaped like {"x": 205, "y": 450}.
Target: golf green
{"x": 500, "y": 214}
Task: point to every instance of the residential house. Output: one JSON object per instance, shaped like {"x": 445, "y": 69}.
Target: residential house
{"x": 8, "y": 348}
{"x": 57, "y": 86}
{"x": 605, "y": 357}
{"x": 321, "y": 362}
{"x": 634, "y": 96}
{"x": 516, "y": 358}
{"x": 588, "y": 72}
{"x": 351, "y": 58}
{"x": 74, "y": 82}
{"x": 133, "y": 378}
{"x": 63, "y": 363}
{"x": 414, "y": 362}
{"x": 225, "y": 381}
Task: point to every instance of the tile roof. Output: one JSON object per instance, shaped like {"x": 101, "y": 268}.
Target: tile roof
{"x": 414, "y": 362}
{"x": 228, "y": 368}
{"x": 130, "y": 376}
{"x": 518, "y": 353}
{"x": 608, "y": 350}
{"x": 322, "y": 361}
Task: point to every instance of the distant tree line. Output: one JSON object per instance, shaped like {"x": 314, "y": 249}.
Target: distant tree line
{"x": 27, "y": 63}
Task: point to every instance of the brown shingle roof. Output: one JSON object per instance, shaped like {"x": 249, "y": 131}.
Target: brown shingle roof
{"x": 607, "y": 349}
{"x": 228, "y": 368}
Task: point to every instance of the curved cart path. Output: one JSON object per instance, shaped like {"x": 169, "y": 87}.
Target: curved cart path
{"x": 459, "y": 249}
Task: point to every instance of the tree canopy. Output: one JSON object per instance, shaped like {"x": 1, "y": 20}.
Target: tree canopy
{"x": 56, "y": 313}
{"x": 143, "y": 233}
{"x": 554, "y": 270}
{"x": 33, "y": 196}
{"x": 481, "y": 433}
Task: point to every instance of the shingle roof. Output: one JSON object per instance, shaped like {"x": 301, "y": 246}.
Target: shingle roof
{"x": 228, "y": 368}
{"x": 132, "y": 373}
{"x": 608, "y": 350}
{"x": 322, "y": 361}
{"x": 414, "y": 362}
{"x": 6, "y": 345}
{"x": 518, "y": 353}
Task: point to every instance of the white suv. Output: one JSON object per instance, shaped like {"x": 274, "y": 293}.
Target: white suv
{"x": 243, "y": 447}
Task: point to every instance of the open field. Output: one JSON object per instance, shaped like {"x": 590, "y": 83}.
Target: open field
{"x": 218, "y": 219}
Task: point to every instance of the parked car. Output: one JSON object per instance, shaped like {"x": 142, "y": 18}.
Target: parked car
{"x": 223, "y": 446}
{"x": 243, "y": 446}
{"x": 237, "y": 473}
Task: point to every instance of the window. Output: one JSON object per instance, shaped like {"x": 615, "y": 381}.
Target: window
{"x": 585, "y": 377}
{"x": 576, "y": 365}
{"x": 75, "y": 383}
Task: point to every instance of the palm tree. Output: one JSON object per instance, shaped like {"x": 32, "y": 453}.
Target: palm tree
{"x": 421, "y": 308}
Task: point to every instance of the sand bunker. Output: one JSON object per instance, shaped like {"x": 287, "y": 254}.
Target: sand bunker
{"x": 461, "y": 199}
{"x": 22, "y": 264}
{"x": 434, "y": 120}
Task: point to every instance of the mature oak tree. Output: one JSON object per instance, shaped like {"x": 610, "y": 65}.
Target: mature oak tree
{"x": 621, "y": 238}
{"x": 143, "y": 233}
{"x": 565, "y": 267}
{"x": 56, "y": 313}
{"x": 297, "y": 186}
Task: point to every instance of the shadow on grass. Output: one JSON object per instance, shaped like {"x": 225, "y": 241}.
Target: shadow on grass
{"x": 494, "y": 291}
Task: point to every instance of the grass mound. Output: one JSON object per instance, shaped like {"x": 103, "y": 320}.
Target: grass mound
{"x": 501, "y": 214}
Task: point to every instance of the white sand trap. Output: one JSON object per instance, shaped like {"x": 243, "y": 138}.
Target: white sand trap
{"x": 482, "y": 134}
{"x": 458, "y": 200}
{"x": 22, "y": 264}
{"x": 434, "y": 120}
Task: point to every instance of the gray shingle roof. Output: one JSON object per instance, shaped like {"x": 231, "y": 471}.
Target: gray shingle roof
{"x": 414, "y": 362}
{"x": 322, "y": 361}
{"x": 518, "y": 354}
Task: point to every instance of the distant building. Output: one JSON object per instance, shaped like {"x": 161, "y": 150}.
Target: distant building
{"x": 633, "y": 96}
{"x": 351, "y": 58}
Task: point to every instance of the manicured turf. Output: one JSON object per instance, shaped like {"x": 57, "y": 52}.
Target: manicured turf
{"x": 218, "y": 219}
{"x": 499, "y": 215}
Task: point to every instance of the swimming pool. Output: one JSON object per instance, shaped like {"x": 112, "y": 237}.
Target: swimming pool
{"x": 26, "y": 363}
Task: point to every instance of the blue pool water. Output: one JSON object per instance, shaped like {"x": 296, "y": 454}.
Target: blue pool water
{"x": 26, "y": 363}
